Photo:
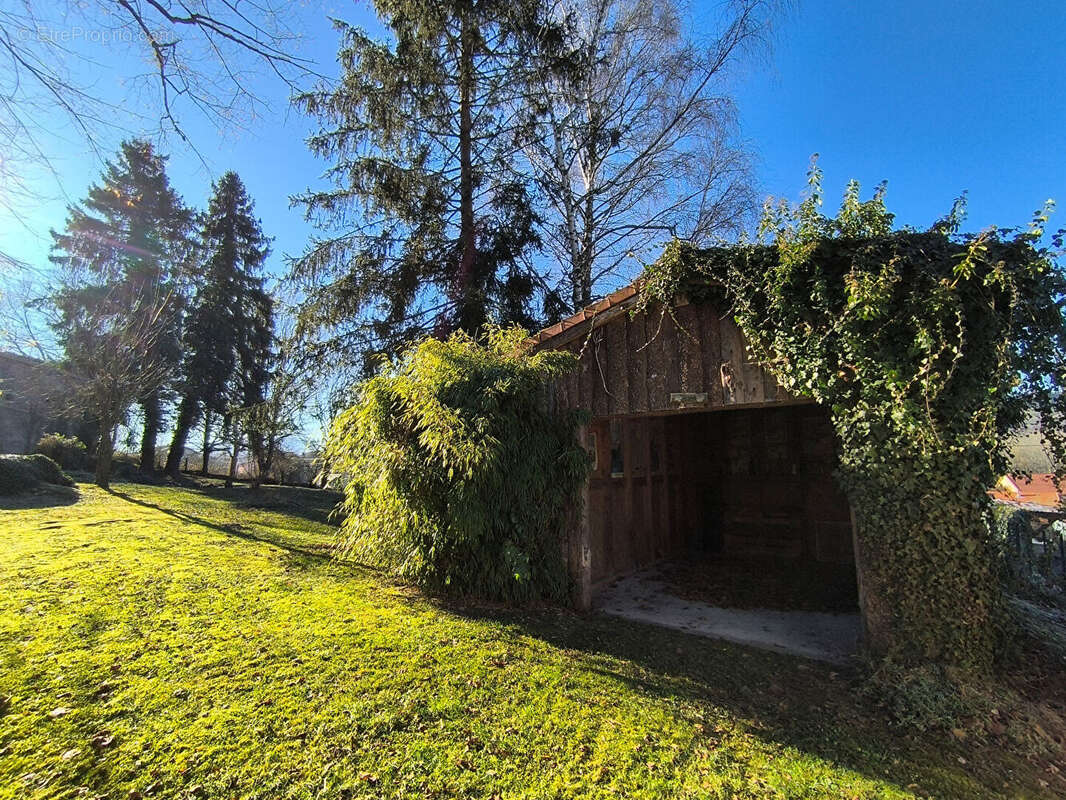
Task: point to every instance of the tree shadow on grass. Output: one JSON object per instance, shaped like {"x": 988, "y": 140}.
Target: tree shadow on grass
{"x": 314, "y": 505}
{"x": 298, "y": 555}
{"x": 817, "y": 709}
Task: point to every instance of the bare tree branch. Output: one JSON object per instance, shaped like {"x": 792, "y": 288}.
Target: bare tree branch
{"x": 639, "y": 145}
{"x": 206, "y": 55}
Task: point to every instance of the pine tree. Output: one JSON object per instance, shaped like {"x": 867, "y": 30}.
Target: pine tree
{"x": 123, "y": 258}
{"x": 429, "y": 223}
{"x": 256, "y": 370}
{"x": 243, "y": 424}
{"x": 229, "y": 322}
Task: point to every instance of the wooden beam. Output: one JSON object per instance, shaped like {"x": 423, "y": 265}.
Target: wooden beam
{"x": 582, "y": 548}
{"x": 590, "y": 321}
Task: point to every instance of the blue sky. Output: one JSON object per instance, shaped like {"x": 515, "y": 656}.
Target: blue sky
{"x": 934, "y": 96}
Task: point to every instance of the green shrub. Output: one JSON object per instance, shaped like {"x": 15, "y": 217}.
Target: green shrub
{"x": 67, "y": 451}
{"x": 459, "y": 475}
{"x": 20, "y": 474}
{"x": 1028, "y": 572}
{"x": 16, "y": 476}
{"x": 964, "y": 702}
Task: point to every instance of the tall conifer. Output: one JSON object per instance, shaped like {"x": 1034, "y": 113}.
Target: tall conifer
{"x": 427, "y": 221}
{"x": 127, "y": 246}
{"x": 228, "y": 332}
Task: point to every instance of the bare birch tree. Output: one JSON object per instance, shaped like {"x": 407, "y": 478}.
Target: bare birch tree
{"x": 639, "y": 143}
{"x": 113, "y": 357}
{"x": 269, "y": 423}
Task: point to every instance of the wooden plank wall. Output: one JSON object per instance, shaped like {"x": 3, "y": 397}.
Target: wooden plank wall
{"x": 632, "y": 512}
{"x": 776, "y": 487}
{"x": 750, "y": 482}
{"x": 634, "y": 362}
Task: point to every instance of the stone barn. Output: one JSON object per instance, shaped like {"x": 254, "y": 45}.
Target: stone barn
{"x": 697, "y": 453}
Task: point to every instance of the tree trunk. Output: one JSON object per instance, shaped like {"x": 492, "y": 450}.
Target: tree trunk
{"x": 470, "y": 312}
{"x": 204, "y": 470}
{"x": 255, "y": 450}
{"x": 153, "y": 415}
{"x": 567, "y": 200}
{"x": 187, "y": 414}
{"x": 105, "y": 450}
{"x": 271, "y": 450}
{"x": 583, "y": 267}
{"x": 233, "y": 461}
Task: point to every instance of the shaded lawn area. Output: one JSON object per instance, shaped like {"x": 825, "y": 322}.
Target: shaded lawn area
{"x": 188, "y": 643}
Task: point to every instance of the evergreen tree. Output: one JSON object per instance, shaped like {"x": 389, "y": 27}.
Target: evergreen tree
{"x": 244, "y": 424}
{"x": 229, "y": 322}
{"x": 256, "y": 372}
{"x": 123, "y": 256}
{"x": 428, "y": 220}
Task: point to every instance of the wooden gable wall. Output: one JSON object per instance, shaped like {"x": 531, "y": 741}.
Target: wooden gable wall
{"x": 633, "y": 363}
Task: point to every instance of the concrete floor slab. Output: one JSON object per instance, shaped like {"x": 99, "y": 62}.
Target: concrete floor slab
{"x": 821, "y": 636}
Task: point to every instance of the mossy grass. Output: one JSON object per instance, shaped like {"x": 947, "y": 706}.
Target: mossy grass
{"x": 173, "y": 642}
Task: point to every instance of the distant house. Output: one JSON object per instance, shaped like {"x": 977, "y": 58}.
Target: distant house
{"x": 33, "y": 401}
{"x": 1039, "y": 492}
{"x": 1044, "y": 548}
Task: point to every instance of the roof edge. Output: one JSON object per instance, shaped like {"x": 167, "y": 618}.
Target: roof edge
{"x": 595, "y": 314}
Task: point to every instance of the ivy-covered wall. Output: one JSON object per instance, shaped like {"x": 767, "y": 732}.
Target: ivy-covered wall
{"x": 928, "y": 348}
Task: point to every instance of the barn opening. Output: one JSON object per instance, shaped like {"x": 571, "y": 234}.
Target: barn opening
{"x": 735, "y": 508}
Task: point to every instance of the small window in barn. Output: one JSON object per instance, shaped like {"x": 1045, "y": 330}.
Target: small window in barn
{"x": 618, "y": 466}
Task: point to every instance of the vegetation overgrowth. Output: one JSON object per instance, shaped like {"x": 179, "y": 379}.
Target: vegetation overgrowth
{"x": 20, "y": 473}
{"x": 69, "y": 452}
{"x": 200, "y": 642}
{"x": 1030, "y": 571}
{"x": 154, "y": 302}
{"x": 929, "y": 348}
{"x": 459, "y": 475}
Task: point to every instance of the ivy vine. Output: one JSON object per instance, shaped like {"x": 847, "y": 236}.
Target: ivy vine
{"x": 928, "y": 348}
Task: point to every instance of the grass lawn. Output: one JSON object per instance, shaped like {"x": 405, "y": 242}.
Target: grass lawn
{"x": 190, "y": 643}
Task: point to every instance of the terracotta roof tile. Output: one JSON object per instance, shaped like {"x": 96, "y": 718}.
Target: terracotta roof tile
{"x": 589, "y": 312}
{"x": 1039, "y": 489}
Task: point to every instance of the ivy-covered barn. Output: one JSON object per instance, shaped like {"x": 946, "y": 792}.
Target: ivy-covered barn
{"x": 696, "y": 450}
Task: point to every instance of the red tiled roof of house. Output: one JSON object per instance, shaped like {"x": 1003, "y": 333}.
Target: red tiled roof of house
{"x": 1038, "y": 489}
